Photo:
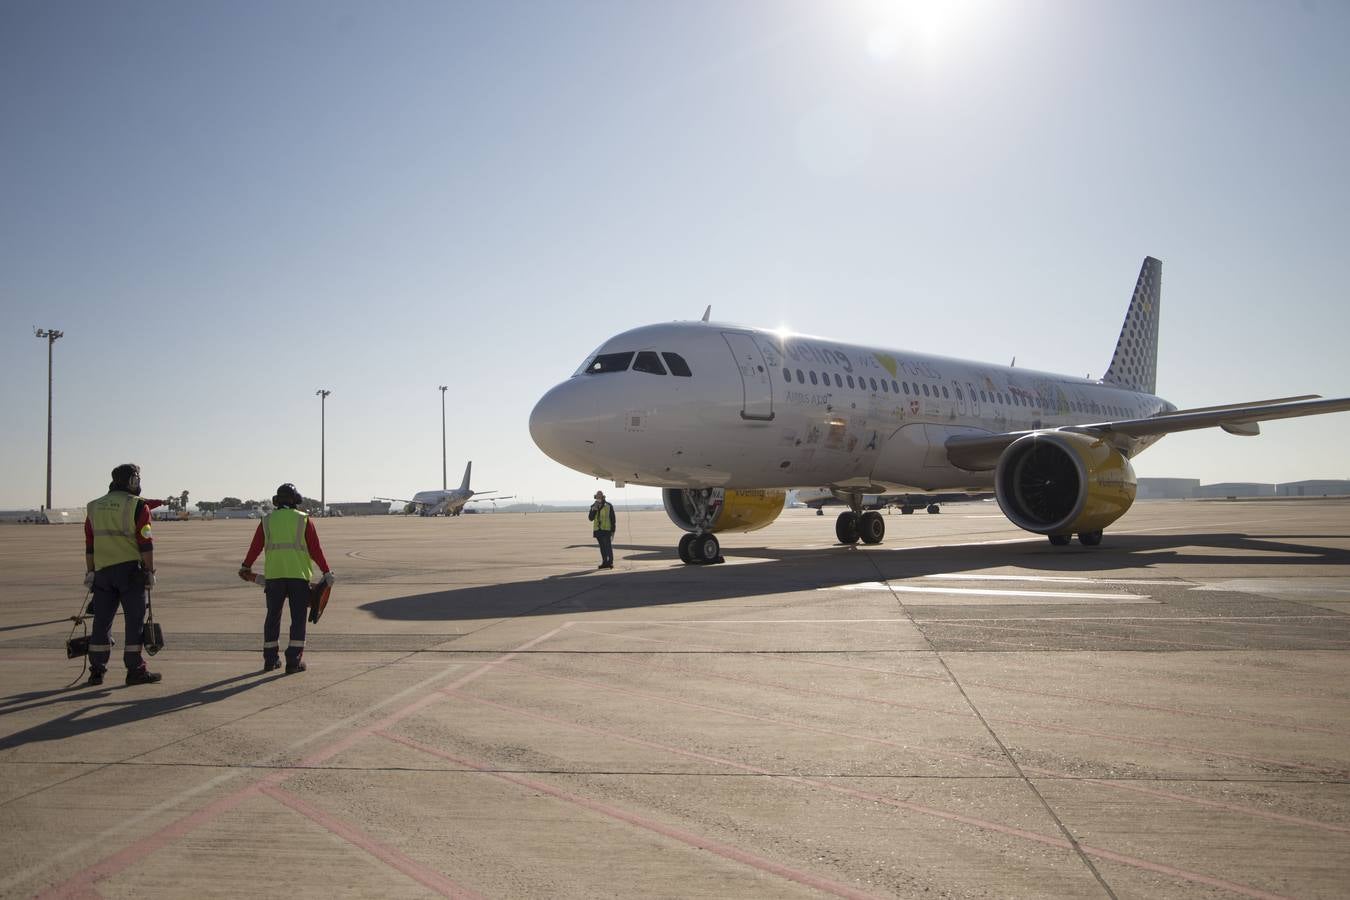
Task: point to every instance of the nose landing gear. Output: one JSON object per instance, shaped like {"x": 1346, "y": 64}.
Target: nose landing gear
{"x": 700, "y": 549}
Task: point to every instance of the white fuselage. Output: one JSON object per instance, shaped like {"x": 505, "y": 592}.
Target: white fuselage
{"x": 761, "y": 409}
{"x": 441, "y": 502}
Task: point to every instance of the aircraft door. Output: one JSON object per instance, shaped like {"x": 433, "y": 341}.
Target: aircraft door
{"x": 756, "y": 383}
{"x": 974, "y": 399}
{"x": 960, "y": 397}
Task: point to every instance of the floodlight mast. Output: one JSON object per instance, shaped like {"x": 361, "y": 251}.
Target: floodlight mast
{"x": 52, "y": 336}
{"x": 323, "y": 429}
{"x": 444, "y": 483}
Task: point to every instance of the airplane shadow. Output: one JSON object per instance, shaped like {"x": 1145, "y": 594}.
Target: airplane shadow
{"x": 794, "y": 570}
{"x": 110, "y": 714}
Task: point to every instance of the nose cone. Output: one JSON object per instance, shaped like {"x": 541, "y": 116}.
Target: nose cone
{"x": 554, "y": 423}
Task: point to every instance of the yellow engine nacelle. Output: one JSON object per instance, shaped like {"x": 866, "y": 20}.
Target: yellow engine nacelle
{"x": 1059, "y": 483}
{"x": 721, "y": 510}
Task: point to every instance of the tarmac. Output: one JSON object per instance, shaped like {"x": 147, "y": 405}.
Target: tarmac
{"x": 961, "y": 711}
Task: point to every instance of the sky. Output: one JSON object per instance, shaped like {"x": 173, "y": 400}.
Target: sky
{"x": 229, "y": 206}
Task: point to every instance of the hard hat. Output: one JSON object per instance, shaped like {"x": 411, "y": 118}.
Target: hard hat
{"x": 287, "y": 495}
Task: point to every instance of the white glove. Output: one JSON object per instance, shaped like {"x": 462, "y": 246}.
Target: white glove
{"x": 149, "y": 580}
{"x": 246, "y": 573}
{"x": 329, "y": 578}
{"x": 88, "y": 581}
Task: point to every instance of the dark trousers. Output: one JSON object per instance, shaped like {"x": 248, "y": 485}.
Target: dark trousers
{"x": 278, "y": 591}
{"x": 606, "y": 540}
{"x": 121, "y": 585}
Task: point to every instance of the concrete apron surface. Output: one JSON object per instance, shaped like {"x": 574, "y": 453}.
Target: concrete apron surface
{"x": 962, "y": 710}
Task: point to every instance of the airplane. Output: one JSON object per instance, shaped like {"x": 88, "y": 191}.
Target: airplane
{"x": 726, "y": 418}
{"x": 447, "y": 502}
{"x": 907, "y": 503}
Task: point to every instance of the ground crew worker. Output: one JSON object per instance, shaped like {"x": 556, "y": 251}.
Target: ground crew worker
{"x": 291, "y": 542}
{"x": 602, "y": 514}
{"x": 119, "y": 561}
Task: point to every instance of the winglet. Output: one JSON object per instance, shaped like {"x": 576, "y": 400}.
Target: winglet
{"x": 707, "y": 312}
{"x": 1135, "y": 363}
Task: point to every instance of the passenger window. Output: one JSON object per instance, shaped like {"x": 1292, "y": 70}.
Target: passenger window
{"x": 787, "y": 375}
{"x": 945, "y": 395}
{"x": 801, "y": 379}
{"x": 905, "y": 385}
{"x": 609, "y": 362}
{"x": 678, "y": 366}
{"x": 838, "y": 382}
{"x": 885, "y": 388}
{"x": 813, "y": 377}
{"x": 895, "y": 387}
{"x": 873, "y": 383}
{"x": 958, "y": 394}
{"x": 925, "y": 390}
{"x": 647, "y": 361}
{"x": 850, "y": 381}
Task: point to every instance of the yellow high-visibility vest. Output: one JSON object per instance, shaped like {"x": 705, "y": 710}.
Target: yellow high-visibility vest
{"x": 604, "y": 519}
{"x": 112, "y": 518}
{"x": 284, "y": 542}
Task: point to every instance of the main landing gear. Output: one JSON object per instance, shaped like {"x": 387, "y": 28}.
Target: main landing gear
{"x": 855, "y": 525}
{"x": 1086, "y": 538}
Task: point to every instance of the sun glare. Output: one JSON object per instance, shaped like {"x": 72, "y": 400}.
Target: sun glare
{"x": 915, "y": 26}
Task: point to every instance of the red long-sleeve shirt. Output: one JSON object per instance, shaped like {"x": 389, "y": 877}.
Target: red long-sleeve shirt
{"x": 311, "y": 544}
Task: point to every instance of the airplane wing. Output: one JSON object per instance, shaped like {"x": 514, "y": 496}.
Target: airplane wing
{"x": 475, "y": 498}
{"x": 395, "y": 499}
{"x": 981, "y": 452}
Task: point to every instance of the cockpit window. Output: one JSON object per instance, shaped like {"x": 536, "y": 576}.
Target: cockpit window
{"x": 609, "y": 362}
{"x": 677, "y": 365}
{"x": 647, "y": 361}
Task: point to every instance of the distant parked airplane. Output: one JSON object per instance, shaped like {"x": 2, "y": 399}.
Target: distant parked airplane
{"x": 447, "y": 503}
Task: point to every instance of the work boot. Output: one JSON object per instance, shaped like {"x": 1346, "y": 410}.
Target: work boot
{"x": 142, "y": 676}
{"x": 293, "y": 667}
{"x": 269, "y": 665}
{"x": 95, "y": 677}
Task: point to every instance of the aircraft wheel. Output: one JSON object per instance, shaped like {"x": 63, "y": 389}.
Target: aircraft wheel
{"x": 846, "y": 527}
{"x": 686, "y": 553}
{"x": 706, "y": 549}
{"x": 820, "y": 510}
{"x": 872, "y": 528}
{"x": 1090, "y": 538}
{"x": 1059, "y": 540}
{"x": 906, "y": 510}
{"x": 934, "y": 509}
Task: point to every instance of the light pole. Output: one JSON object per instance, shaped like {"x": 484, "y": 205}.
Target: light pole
{"x": 323, "y": 428}
{"x": 444, "y": 485}
{"x": 52, "y": 337}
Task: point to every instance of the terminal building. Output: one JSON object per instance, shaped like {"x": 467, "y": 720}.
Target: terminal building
{"x": 368, "y": 508}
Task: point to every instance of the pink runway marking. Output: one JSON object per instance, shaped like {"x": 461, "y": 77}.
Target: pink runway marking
{"x": 984, "y": 824}
{"x": 726, "y": 851}
{"x": 429, "y": 878}
{"x": 81, "y": 883}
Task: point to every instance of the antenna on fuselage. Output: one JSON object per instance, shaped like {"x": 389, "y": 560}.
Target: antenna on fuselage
{"x": 1013, "y": 364}
{"x": 707, "y": 312}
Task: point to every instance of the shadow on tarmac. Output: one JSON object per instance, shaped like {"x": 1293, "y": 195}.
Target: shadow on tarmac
{"x": 136, "y": 708}
{"x": 790, "y": 570}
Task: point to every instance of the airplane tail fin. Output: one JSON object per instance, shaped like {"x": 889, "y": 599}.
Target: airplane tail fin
{"x": 1135, "y": 363}
{"x": 464, "y": 485}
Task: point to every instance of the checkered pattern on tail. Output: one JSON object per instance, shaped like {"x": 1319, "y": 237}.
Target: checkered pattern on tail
{"x": 1135, "y": 363}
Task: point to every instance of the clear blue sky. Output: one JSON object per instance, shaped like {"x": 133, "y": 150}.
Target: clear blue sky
{"x": 227, "y": 206}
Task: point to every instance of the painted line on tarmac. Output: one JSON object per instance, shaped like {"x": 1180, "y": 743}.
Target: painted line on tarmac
{"x": 984, "y": 592}
{"x": 1065, "y": 579}
{"x": 906, "y": 805}
{"x": 386, "y": 854}
{"x": 82, "y": 882}
{"x": 726, "y": 851}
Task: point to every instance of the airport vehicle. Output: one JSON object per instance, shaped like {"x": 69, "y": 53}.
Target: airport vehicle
{"x": 725, "y": 419}
{"x": 447, "y": 502}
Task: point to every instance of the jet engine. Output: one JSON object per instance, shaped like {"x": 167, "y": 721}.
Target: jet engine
{"x": 718, "y": 509}
{"x": 1057, "y": 483}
